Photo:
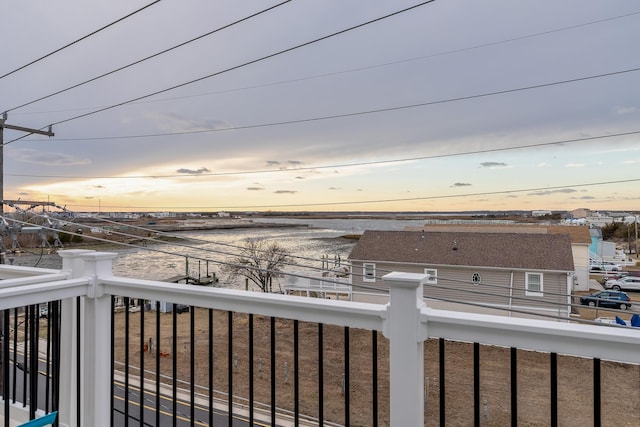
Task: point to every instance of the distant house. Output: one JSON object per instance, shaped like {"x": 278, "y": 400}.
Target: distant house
{"x": 502, "y": 273}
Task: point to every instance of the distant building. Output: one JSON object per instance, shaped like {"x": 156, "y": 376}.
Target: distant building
{"x": 498, "y": 273}
{"x": 580, "y": 213}
{"x": 541, "y": 213}
{"x": 161, "y": 214}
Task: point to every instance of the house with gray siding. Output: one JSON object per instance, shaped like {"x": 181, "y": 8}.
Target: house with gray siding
{"x": 513, "y": 274}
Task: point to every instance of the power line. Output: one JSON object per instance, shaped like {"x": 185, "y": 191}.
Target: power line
{"x": 360, "y": 202}
{"x": 247, "y": 63}
{"x": 344, "y": 165}
{"x": 150, "y": 56}
{"x": 78, "y": 40}
{"x": 233, "y": 255}
{"x": 382, "y": 290}
{"x": 190, "y": 238}
{"x": 352, "y": 70}
{"x": 484, "y": 289}
{"x": 345, "y": 115}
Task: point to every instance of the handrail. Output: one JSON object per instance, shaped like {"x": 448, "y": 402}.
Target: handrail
{"x": 610, "y": 343}
{"x": 30, "y": 280}
{"x": 332, "y": 312}
{"x": 40, "y": 293}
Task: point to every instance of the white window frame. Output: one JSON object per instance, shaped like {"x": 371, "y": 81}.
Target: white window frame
{"x": 433, "y": 275}
{"x": 534, "y": 293}
{"x": 368, "y": 272}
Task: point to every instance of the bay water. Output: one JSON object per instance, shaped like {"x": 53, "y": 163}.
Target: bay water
{"x": 312, "y": 243}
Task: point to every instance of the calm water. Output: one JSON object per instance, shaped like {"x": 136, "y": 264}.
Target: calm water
{"x": 308, "y": 245}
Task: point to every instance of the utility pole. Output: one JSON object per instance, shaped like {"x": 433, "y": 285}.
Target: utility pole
{"x": 3, "y": 126}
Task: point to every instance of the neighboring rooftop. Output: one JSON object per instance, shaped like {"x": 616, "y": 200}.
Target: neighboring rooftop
{"x": 577, "y": 234}
{"x": 481, "y": 249}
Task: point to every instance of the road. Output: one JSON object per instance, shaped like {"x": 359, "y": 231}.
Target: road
{"x": 167, "y": 416}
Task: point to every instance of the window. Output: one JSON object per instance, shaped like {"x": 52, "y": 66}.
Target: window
{"x": 368, "y": 272}
{"x": 433, "y": 275}
{"x": 534, "y": 284}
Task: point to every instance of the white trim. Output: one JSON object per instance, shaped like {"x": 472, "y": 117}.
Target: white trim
{"x": 368, "y": 267}
{"x": 433, "y": 276}
{"x": 537, "y": 293}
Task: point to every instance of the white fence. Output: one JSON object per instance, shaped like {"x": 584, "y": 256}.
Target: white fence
{"x": 406, "y": 321}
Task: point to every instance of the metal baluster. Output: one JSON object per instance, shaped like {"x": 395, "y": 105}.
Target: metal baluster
{"x": 514, "y": 386}
{"x": 374, "y": 372}
{"x": 296, "y": 378}
{"x": 347, "y": 403}
{"x": 230, "y": 366}
{"x": 251, "y": 370}
{"x": 320, "y": 375}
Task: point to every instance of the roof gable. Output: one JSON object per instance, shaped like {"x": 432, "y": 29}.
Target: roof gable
{"x": 499, "y": 250}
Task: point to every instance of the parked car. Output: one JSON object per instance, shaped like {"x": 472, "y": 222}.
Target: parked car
{"x": 631, "y": 283}
{"x": 44, "y": 312}
{"x": 610, "y": 299}
{"x": 599, "y": 266}
{"x": 613, "y": 276}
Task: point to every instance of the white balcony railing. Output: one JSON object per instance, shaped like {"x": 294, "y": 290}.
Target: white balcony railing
{"x": 406, "y": 322}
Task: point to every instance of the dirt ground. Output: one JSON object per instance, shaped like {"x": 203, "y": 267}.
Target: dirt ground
{"x": 575, "y": 380}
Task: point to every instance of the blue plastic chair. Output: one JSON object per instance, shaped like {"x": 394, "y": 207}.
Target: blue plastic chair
{"x": 47, "y": 420}
{"x": 619, "y": 321}
{"x": 635, "y": 320}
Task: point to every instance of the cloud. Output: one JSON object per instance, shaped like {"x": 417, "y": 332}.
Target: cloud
{"x": 620, "y": 110}
{"x": 493, "y": 165}
{"x": 285, "y": 192}
{"x": 583, "y": 198}
{"x": 574, "y": 165}
{"x": 300, "y": 177}
{"x": 283, "y": 165}
{"x": 39, "y": 157}
{"x": 193, "y": 172}
{"x": 333, "y": 188}
{"x": 461, "y": 184}
{"x": 255, "y": 188}
{"x": 548, "y": 192}
{"x": 178, "y": 123}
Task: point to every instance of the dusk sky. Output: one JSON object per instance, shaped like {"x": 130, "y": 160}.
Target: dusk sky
{"x": 449, "y": 106}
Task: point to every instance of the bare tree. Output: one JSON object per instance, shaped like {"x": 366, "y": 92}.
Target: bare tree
{"x": 259, "y": 261}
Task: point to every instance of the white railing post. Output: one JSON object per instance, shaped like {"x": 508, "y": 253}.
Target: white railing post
{"x": 406, "y": 335}
{"x": 96, "y": 344}
{"x": 73, "y": 263}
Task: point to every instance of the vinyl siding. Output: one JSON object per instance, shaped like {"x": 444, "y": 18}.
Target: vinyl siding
{"x": 455, "y": 284}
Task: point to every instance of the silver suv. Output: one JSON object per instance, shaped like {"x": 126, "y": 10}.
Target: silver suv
{"x": 631, "y": 283}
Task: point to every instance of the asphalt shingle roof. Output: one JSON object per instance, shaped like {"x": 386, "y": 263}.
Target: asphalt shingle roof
{"x": 501, "y": 250}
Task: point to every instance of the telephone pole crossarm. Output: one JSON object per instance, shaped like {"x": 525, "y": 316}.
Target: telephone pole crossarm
{"x": 28, "y": 130}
